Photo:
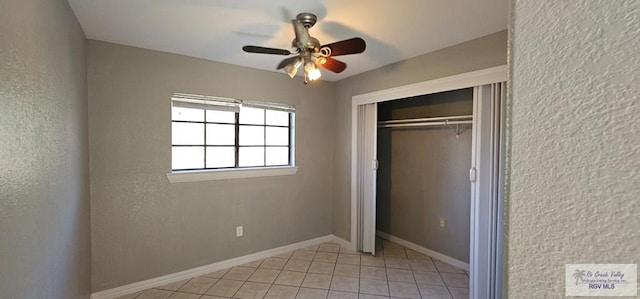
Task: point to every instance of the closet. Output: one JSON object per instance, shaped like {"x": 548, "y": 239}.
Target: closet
{"x": 430, "y": 161}
{"x": 424, "y": 151}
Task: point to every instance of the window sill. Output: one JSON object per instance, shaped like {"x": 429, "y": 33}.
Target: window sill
{"x": 228, "y": 174}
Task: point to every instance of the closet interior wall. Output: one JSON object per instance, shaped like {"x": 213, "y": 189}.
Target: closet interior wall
{"x": 423, "y": 174}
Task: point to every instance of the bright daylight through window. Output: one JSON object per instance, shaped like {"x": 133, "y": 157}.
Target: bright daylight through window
{"x": 217, "y": 133}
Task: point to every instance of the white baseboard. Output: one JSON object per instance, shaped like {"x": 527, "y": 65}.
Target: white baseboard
{"x": 434, "y": 254}
{"x": 186, "y": 274}
{"x": 341, "y": 241}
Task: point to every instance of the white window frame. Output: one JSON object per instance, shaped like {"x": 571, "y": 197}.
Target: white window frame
{"x": 233, "y": 105}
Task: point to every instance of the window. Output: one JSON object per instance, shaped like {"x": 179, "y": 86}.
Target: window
{"x": 217, "y": 133}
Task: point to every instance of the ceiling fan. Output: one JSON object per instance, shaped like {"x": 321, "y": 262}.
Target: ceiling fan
{"x": 309, "y": 53}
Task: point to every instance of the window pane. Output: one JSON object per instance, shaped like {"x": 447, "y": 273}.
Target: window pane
{"x": 221, "y": 134}
{"x": 251, "y": 135}
{"x": 187, "y": 157}
{"x": 251, "y": 156}
{"x": 253, "y": 116}
{"x": 277, "y": 136}
{"x": 179, "y": 113}
{"x": 220, "y": 156}
{"x": 221, "y": 116}
{"x": 277, "y": 118}
{"x": 187, "y": 134}
{"x": 277, "y": 156}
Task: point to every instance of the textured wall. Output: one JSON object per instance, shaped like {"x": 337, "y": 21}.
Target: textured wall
{"x": 574, "y": 140}
{"x": 423, "y": 174}
{"x": 481, "y": 53}
{"x": 143, "y": 226}
{"x": 44, "y": 194}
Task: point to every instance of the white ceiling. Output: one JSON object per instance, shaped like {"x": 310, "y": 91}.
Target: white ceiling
{"x": 217, "y": 29}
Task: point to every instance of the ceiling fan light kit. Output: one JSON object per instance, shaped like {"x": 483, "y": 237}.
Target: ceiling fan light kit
{"x": 309, "y": 52}
{"x": 292, "y": 68}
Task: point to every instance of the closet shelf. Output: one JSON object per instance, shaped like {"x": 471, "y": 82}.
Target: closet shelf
{"x": 448, "y": 121}
{"x": 426, "y": 122}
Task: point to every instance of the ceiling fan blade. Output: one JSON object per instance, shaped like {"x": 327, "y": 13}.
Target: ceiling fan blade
{"x": 265, "y": 50}
{"x": 287, "y": 61}
{"x": 334, "y": 65}
{"x": 348, "y": 46}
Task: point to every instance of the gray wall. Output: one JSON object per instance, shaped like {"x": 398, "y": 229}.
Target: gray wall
{"x": 423, "y": 174}
{"x": 143, "y": 226}
{"x": 481, "y": 53}
{"x": 574, "y": 141}
{"x": 44, "y": 188}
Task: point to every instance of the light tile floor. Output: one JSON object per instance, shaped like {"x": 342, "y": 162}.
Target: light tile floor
{"x": 326, "y": 271}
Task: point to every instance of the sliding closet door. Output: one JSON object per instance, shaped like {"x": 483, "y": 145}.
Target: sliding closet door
{"x": 487, "y": 184}
{"x": 365, "y": 152}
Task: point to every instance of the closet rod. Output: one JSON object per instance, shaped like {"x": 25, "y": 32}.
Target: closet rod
{"x": 430, "y": 119}
{"x": 425, "y": 124}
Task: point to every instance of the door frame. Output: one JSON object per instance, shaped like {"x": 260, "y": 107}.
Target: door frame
{"x": 465, "y": 80}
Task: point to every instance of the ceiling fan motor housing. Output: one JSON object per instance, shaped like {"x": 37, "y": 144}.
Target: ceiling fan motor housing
{"x": 312, "y": 46}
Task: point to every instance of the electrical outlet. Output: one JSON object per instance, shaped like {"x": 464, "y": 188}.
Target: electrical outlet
{"x": 442, "y": 223}
{"x": 239, "y": 231}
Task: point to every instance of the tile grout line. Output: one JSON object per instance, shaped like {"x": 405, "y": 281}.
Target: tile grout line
{"x": 244, "y": 282}
{"x": 332, "y": 273}
{"x": 386, "y": 272}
